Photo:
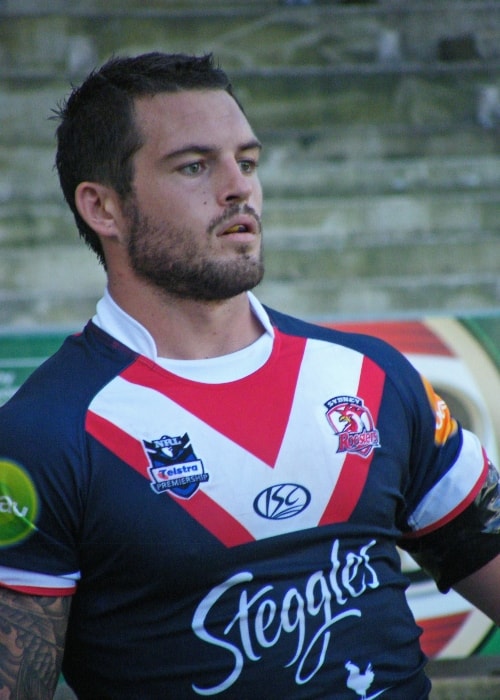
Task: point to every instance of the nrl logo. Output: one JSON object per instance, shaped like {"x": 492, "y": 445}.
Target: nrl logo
{"x": 352, "y": 422}
{"x": 174, "y": 466}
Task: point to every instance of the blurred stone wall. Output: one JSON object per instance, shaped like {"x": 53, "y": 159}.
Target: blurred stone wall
{"x": 381, "y": 125}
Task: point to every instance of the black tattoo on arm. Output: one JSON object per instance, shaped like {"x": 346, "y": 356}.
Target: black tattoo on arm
{"x": 32, "y": 632}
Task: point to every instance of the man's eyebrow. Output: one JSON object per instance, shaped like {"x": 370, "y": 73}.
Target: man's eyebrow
{"x": 251, "y": 145}
{"x": 200, "y": 149}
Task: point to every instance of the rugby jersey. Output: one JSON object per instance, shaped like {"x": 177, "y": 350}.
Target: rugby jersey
{"x": 235, "y": 537}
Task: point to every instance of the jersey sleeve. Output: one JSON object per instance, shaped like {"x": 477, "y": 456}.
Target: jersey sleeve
{"x": 466, "y": 543}
{"x": 452, "y": 503}
{"x": 41, "y": 488}
{"x": 33, "y": 583}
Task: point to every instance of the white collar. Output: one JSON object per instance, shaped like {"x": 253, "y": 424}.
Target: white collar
{"x": 112, "y": 319}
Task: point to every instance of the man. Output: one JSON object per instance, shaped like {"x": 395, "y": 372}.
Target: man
{"x": 202, "y": 497}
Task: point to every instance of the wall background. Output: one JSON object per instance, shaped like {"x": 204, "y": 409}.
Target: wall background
{"x": 381, "y": 124}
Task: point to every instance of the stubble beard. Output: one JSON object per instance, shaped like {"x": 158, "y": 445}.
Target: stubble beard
{"x": 185, "y": 274}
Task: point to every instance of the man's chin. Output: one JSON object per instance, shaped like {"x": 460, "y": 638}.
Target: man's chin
{"x": 217, "y": 290}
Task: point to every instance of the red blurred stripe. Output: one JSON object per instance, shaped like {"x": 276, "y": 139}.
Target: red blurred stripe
{"x": 406, "y": 336}
{"x": 439, "y": 631}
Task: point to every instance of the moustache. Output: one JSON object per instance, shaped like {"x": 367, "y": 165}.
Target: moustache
{"x": 234, "y": 210}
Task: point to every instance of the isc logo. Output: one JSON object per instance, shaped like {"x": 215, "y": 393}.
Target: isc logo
{"x": 282, "y": 501}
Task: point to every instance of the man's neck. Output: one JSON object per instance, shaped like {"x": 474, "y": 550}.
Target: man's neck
{"x": 186, "y": 329}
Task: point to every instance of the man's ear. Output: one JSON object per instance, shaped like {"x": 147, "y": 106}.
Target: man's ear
{"x": 99, "y": 206}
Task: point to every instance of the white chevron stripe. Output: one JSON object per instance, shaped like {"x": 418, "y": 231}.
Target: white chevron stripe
{"x": 237, "y": 477}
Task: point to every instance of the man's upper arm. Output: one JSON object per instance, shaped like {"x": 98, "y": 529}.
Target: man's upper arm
{"x": 32, "y": 632}
{"x": 482, "y": 589}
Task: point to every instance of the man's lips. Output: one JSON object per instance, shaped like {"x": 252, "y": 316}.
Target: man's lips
{"x": 237, "y": 228}
{"x": 236, "y": 221}
{"x": 240, "y": 225}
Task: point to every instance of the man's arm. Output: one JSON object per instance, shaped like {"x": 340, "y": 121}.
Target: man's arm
{"x": 32, "y": 632}
{"x": 482, "y": 589}
{"x": 465, "y": 553}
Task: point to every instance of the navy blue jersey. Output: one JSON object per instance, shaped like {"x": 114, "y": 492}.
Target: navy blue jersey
{"x": 237, "y": 539}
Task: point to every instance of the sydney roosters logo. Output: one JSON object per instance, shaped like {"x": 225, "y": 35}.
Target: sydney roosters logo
{"x": 353, "y": 424}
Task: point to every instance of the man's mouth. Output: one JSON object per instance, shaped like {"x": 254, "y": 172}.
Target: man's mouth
{"x": 237, "y": 228}
{"x": 238, "y": 220}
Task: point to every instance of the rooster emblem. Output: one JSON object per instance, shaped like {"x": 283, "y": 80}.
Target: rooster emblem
{"x": 353, "y": 423}
{"x": 357, "y": 681}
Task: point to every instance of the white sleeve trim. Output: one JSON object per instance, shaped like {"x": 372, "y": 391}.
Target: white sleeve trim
{"x": 453, "y": 489}
{"x": 19, "y": 578}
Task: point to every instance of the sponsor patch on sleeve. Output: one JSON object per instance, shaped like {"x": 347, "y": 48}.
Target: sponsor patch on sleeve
{"x": 445, "y": 424}
{"x": 18, "y": 503}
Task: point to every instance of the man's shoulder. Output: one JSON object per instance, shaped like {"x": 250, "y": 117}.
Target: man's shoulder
{"x": 394, "y": 364}
{"x": 65, "y": 383}
{"x": 370, "y": 345}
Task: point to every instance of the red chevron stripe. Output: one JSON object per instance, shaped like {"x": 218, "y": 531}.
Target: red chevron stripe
{"x": 355, "y": 469}
{"x": 120, "y": 443}
{"x": 260, "y": 424}
{"x": 200, "y": 506}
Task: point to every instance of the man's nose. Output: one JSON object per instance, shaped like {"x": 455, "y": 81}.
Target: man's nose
{"x": 234, "y": 185}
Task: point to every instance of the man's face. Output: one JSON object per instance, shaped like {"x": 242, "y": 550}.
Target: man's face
{"x": 193, "y": 220}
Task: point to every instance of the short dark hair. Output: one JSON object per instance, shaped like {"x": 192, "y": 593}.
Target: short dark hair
{"x": 97, "y": 134}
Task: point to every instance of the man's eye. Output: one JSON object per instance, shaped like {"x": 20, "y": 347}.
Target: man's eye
{"x": 248, "y": 166}
{"x": 191, "y": 168}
